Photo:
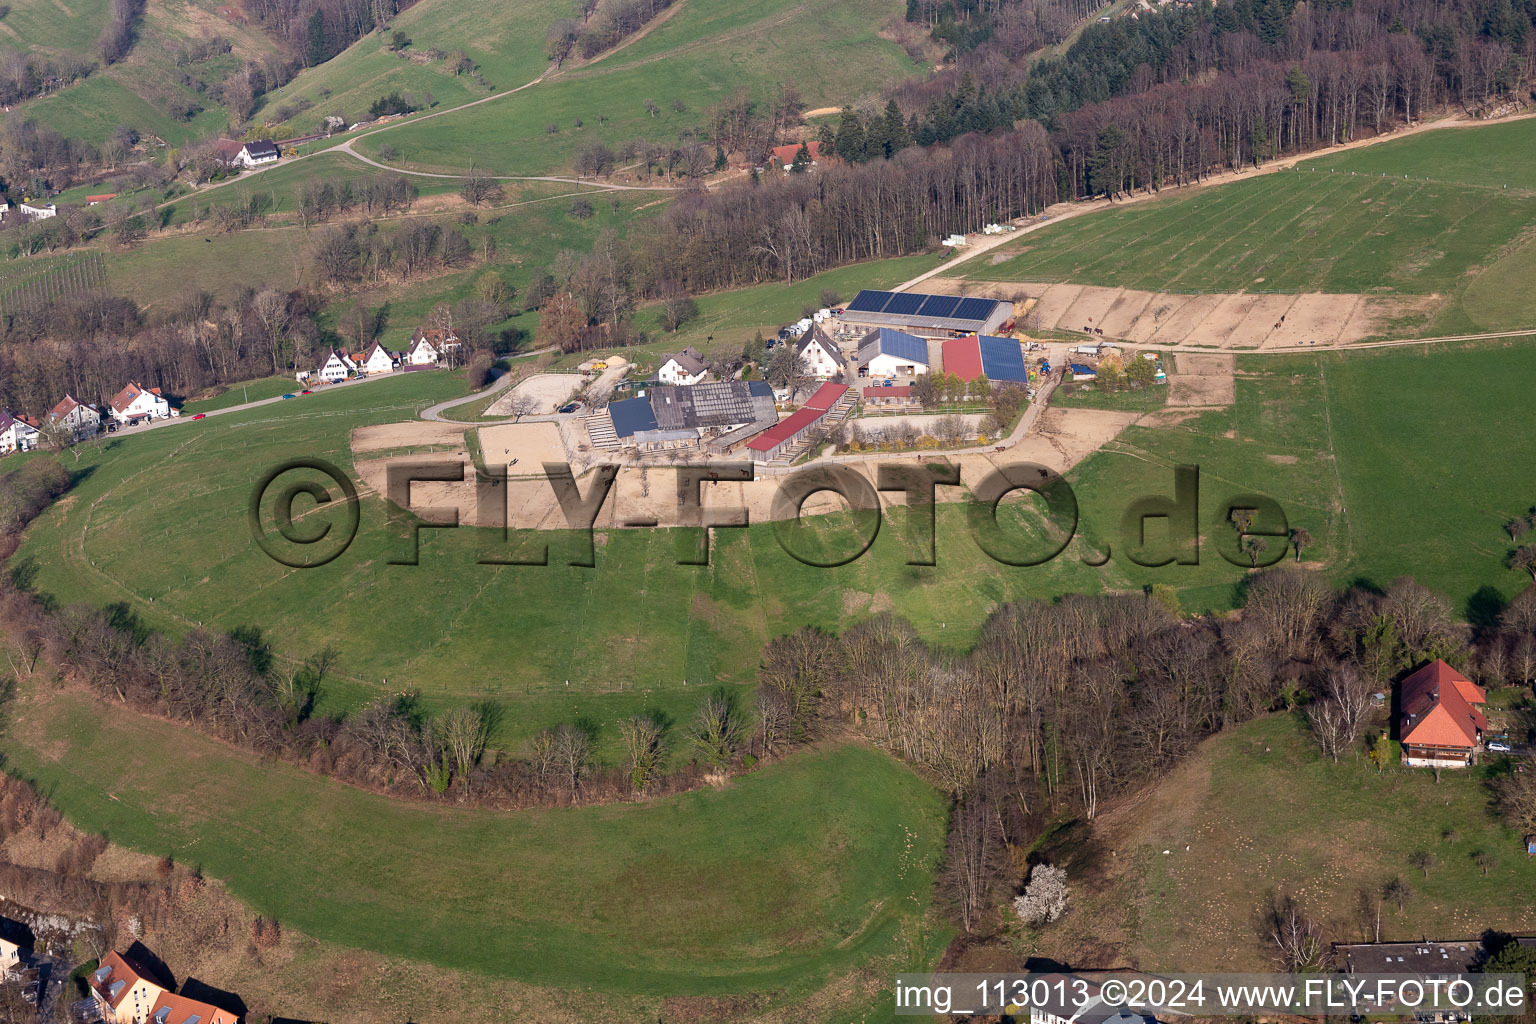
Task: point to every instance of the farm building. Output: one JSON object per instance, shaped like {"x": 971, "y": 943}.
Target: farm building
{"x": 1082, "y": 372}
{"x": 997, "y": 359}
{"x": 685, "y": 367}
{"x": 1437, "y": 723}
{"x": 783, "y": 157}
{"x": 931, "y": 316}
{"x": 255, "y": 154}
{"x": 685, "y": 416}
{"x": 828, "y": 404}
{"x": 887, "y": 353}
{"x": 895, "y": 397}
{"x": 819, "y": 354}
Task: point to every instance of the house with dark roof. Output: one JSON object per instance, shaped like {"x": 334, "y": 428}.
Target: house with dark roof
{"x": 126, "y": 992}
{"x": 374, "y": 361}
{"x": 255, "y": 154}
{"x": 885, "y": 352}
{"x": 685, "y": 367}
{"x": 17, "y": 433}
{"x": 338, "y": 366}
{"x": 930, "y": 316}
{"x": 819, "y": 355}
{"x": 429, "y": 346}
{"x": 690, "y": 415}
{"x": 1438, "y": 722}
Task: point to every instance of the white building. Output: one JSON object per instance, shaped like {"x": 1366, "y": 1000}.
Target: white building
{"x": 430, "y": 346}
{"x": 337, "y": 367}
{"x": 16, "y": 434}
{"x": 38, "y": 211}
{"x": 377, "y": 361}
{"x": 888, "y": 353}
{"x": 819, "y": 354}
{"x": 135, "y": 403}
{"x": 81, "y": 419}
{"x": 685, "y": 367}
{"x": 255, "y": 154}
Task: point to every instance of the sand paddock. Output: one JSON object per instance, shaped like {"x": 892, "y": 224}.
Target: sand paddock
{"x": 1061, "y": 439}
{"x": 1241, "y": 320}
{"x": 406, "y": 435}
{"x": 546, "y": 392}
{"x": 530, "y": 444}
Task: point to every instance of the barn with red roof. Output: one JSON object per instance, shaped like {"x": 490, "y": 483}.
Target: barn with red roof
{"x": 1438, "y": 720}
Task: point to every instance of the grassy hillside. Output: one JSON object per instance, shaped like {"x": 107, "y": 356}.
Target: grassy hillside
{"x": 801, "y": 870}
{"x": 142, "y": 89}
{"x": 1323, "y": 833}
{"x": 506, "y": 40}
{"x": 1348, "y": 223}
{"x": 1344, "y": 442}
{"x": 702, "y": 52}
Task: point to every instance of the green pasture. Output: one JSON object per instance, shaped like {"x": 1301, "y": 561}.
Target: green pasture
{"x": 790, "y": 874}
{"x": 702, "y": 53}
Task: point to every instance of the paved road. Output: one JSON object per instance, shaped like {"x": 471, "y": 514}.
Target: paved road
{"x": 188, "y": 417}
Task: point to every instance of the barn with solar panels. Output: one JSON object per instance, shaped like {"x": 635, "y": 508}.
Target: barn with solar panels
{"x": 1000, "y": 360}
{"x": 930, "y": 316}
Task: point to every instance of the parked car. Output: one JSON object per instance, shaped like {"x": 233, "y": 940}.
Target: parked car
{"x": 1499, "y": 746}
{"x": 569, "y": 407}
{"x": 201, "y": 415}
{"x": 290, "y": 395}
{"x": 306, "y": 391}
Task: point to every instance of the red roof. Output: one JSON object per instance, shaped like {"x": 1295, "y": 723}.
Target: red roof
{"x": 1436, "y": 707}
{"x": 784, "y": 156}
{"x": 904, "y": 391}
{"x": 962, "y": 357}
{"x": 824, "y": 399}
{"x": 101, "y": 198}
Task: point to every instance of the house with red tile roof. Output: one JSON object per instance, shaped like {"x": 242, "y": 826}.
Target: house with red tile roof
{"x": 17, "y": 433}
{"x": 784, "y": 156}
{"x": 781, "y": 439}
{"x": 82, "y": 420}
{"x": 126, "y": 993}
{"x": 136, "y": 403}
{"x": 1438, "y": 722}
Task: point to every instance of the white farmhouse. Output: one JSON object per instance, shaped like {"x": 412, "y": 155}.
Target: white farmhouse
{"x": 685, "y": 368}
{"x": 376, "y": 361}
{"x": 81, "y": 419}
{"x": 38, "y": 211}
{"x": 16, "y": 434}
{"x": 337, "y": 367}
{"x": 884, "y": 352}
{"x": 255, "y": 154}
{"x": 135, "y": 403}
{"x": 819, "y": 354}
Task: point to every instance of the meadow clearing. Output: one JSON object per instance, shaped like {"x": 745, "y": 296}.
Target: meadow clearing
{"x": 803, "y": 869}
{"x": 1325, "y": 833}
{"x": 1437, "y": 225}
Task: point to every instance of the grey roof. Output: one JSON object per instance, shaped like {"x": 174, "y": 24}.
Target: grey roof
{"x": 689, "y": 359}
{"x": 717, "y": 404}
{"x": 884, "y": 341}
{"x": 261, "y": 148}
{"x": 632, "y": 416}
{"x": 816, "y": 334}
{"x": 1453, "y": 957}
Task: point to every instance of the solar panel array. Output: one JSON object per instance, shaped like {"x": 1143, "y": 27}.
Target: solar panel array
{"x": 1002, "y": 359}
{"x": 916, "y": 305}
{"x": 870, "y": 302}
